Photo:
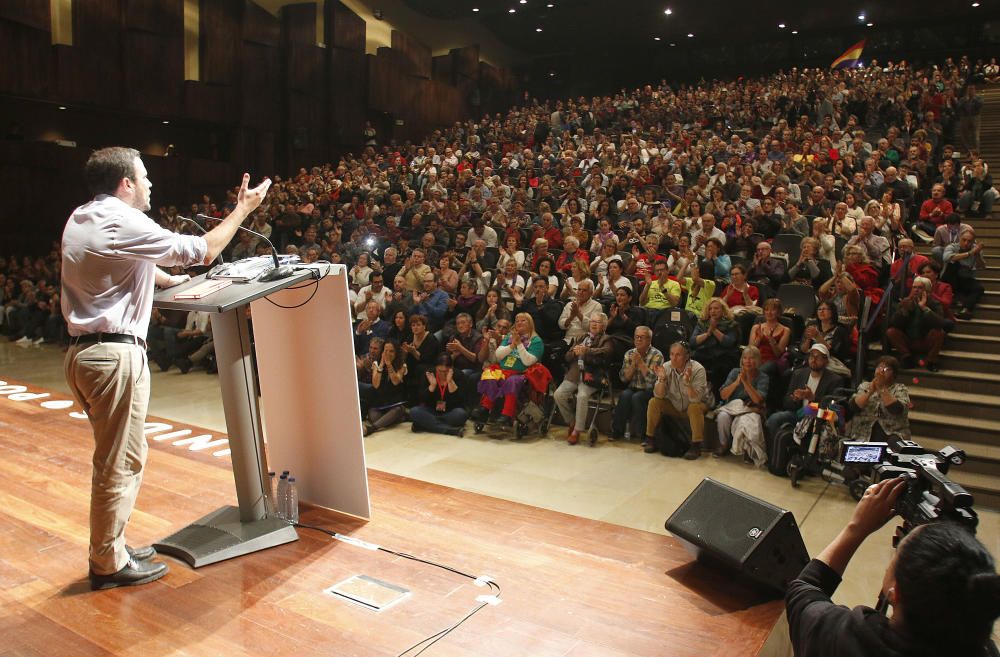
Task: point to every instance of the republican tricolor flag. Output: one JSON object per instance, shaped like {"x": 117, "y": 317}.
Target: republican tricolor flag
{"x": 850, "y": 57}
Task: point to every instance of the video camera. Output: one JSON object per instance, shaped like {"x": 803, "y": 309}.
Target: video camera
{"x": 930, "y": 495}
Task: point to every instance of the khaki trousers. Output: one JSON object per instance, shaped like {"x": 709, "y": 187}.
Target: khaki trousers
{"x": 111, "y": 381}
{"x": 695, "y": 414}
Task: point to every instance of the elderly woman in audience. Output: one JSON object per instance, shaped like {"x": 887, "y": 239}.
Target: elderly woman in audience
{"x": 827, "y": 242}
{"x": 739, "y": 419}
{"x": 810, "y": 268}
{"x": 588, "y": 358}
{"x": 517, "y": 351}
{"x": 715, "y": 341}
{"x": 571, "y": 254}
{"x": 881, "y": 406}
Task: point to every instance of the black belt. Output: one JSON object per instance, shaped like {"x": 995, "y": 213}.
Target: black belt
{"x": 123, "y": 338}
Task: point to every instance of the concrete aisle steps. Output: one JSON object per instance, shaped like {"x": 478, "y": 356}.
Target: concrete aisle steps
{"x": 960, "y": 404}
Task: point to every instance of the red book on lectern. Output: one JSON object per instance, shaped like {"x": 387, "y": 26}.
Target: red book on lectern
{"x": 203, "y": 289}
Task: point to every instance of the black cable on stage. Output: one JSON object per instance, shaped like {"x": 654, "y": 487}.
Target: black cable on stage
{"x": 434, "y": 638}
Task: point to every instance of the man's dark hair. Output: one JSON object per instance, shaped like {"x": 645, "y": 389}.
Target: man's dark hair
{"x": 944, "y": 562}
{"x": 106, "y": 167}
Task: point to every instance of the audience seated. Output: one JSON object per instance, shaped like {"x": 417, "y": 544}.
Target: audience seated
{"x": 588, "y": 358}
{"x": 681, "y": 392}
{"x": 739, "y": 420}
{"x": 649, "y": 189}
{"x": 715, "y": 342}
{"x": 388, "y": 395}
{"x": 516, "y": 352}
{"x": 442, "y": 408}
{"x": 881, "y": 406}
{"x": 810, "y": 383}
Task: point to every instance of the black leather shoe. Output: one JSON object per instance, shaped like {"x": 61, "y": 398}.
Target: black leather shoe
{"x": 133, "y": 574}
{"x": 141, "y": 554}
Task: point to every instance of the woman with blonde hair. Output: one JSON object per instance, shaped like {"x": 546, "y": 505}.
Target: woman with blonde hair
{"x": 715, "y": 341}
{"x": 739, "y": 420}
{"x": 827, "y": 242}
{"x": 519, "y": 350}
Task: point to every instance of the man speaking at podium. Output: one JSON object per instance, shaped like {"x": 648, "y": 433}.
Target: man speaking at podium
{"x": 110, "y": 250}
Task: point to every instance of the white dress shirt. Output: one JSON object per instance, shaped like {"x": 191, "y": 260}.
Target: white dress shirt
{"x": 110, "y": 252}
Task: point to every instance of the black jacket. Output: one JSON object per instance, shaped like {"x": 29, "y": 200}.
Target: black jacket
{"x": 819, "y": 628}
{"x": 828, "y": 383}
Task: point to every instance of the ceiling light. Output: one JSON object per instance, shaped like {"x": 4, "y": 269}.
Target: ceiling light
{"x": 511, "y": 11}
{"x": 524, "y": 2}
{"x": 975, "y": 4}
{"x": 550, "y": 5}
{"x": 871, "y": 24}
{"x": 781, "y": 26}
{"x": 795, "y": 31}
{"x": 690, "y": 35}
{"x": 861, "y": 18}
{"x": 672, "y": 45}
{"x": 668, "y": 11}
{"x": 166, "y": 123}
{"x": 475, "y": 9}
{"x": 656, "y": 38}
{"x": 552, "y": 75}
{"x": 62, "y": 107}
{"x": 538, "y": 29}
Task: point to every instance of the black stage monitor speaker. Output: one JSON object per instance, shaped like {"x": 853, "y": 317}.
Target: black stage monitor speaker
{"x": 722, "y": 525}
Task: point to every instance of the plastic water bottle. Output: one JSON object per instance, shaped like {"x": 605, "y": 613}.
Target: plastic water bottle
{"x": 292, "y": 501}
{"x": 272, "y": 494}
{"x": 282, "y": 493}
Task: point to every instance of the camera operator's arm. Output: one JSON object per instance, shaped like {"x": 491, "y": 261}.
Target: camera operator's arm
{"x": 814, "y": 620}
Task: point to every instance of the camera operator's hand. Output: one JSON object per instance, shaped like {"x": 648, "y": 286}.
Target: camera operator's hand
{"x": 877, "y": 506}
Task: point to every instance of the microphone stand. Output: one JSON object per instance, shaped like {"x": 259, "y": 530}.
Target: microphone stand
{"x": 279, "y": 272}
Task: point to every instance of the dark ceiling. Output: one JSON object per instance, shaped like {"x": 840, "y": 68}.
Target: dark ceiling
{"x": 573, "y": 25}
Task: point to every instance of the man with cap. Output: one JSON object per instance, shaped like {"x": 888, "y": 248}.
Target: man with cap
{"x": 809, "y": 383}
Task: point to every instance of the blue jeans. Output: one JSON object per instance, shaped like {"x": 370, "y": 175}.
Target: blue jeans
{"x": 424, "y": 419}
{"x": 776, "y": 420}
{"x": 630, "y": 412}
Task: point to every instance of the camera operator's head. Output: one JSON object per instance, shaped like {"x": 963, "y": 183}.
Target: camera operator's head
{"x": 944, "y": 589}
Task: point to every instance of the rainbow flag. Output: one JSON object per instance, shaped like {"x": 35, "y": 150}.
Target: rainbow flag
{"x": 850, "y": 56}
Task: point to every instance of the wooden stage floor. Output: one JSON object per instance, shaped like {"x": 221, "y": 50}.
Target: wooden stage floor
{"x": 571, "y": 587}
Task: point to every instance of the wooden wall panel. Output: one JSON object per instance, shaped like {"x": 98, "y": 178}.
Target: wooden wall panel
{"x": 306, "y": 130}
{"x": 221, "y": 23}
{"x": 306, "y": 69}
{"x": 443, "y": 68}
{"x": 97, "y": 26}
{"x": 298, "y": 24}
{"x": 260, "y": 26}
{"x": 414, "y": 56}
{"x": 260, "y": 77}
{"x": 208, "y": 102}
{"x": 90, "y": 78}
{"x": 157, "y": 16}
{"x": 348, "y": 75}
{"x": 30, "y": 13}
{"x": 344, "y": 28}
{"x": 28, "y": 68}
{"x": 152, "y": 88}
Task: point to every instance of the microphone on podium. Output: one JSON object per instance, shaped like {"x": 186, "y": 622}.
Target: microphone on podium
{"x": 280, "y": 271}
